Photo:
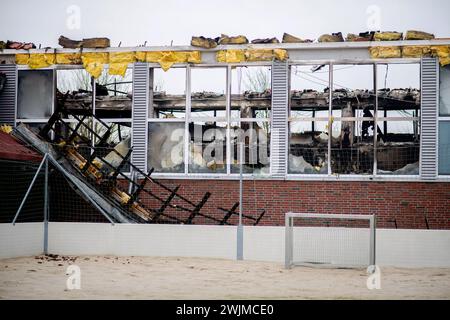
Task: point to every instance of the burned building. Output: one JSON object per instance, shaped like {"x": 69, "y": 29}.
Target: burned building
{"x": 324, "y": 127}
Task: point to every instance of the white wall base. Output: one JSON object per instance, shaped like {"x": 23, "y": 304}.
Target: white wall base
{"x": 402, "y": 248}
{"x": 21, "y": 240}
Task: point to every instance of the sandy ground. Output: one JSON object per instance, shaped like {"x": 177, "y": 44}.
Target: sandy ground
{"x": 197, "y": 278}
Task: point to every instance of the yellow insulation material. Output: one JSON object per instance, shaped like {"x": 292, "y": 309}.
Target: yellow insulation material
{"x": 41, "y": 60}
{"x": 230, "y": 56}
{"x": 68, "y": 58}
{"x": 416, "y": 51}
{"x": 93, "y": 62}
{"x": 194, "y": 57}
{"x": 22, "y": 58}
{"x": 140, "y": 56}
{"x": 168, "y": 58}
{"x": 280, "y": 54}
{"x": 385, "y": 52}
{"x": 259, "y": 54}
{"x": 118, "y": 62}
{"x": 443, "y": 53}
{"x": 237, "y": 56}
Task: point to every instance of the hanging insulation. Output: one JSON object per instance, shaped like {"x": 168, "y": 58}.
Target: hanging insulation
{"x": 41, "y": 60}
{"x": 93, "y": 62}
{"x": 167, "y": 59}
{"x": 118, "y": 62}
{"x": 443, "y": 53}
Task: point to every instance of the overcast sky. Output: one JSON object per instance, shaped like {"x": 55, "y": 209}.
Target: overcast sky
{"x": 159, "y": 22}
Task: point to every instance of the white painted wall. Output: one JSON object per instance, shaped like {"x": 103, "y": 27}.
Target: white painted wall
{"x": 403, "y": 248}
{"x": 142, "y": 240}
{"x": 21, "y": 240}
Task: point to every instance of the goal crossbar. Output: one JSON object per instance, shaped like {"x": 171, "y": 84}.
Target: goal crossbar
{"x": 289, "y": 236}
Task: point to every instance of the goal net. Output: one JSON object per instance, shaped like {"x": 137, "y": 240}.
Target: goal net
{"x": 339, "y": 240}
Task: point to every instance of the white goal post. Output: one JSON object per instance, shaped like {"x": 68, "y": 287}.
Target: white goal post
{"x": 340, "y": 245}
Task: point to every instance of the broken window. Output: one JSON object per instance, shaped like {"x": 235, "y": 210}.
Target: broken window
{"x": 114, "y": 95}
{"x": 444, "y": 91}
{"x": 168, "y": 97}
{"x": 444, "y": 123}
{"x": 73, "y": 93}
{"x": 353, "y": 109}
{"x": 308, "y": 119}
{"x": 398, "y": 148}
{"x": 117, "y": 144}
{"x": 207, "y": 147}
{"x": 167, "y": 116}
{"x": 308, "y": 147}
{"x": 208, "y": 93}
{"x": 255, "y": 136}
{"x": 251, "y": 95}
{"x": 166, "y": 146}
{"x": 398, "y": 119}
{"x": 35, "y": 96}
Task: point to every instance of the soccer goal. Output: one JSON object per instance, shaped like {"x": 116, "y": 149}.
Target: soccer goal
{"x": 337, "y": 240}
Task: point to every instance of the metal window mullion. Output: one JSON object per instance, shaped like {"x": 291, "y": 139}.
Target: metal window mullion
{"x": 228, "y": 116}
{"x": 330, "y": 113}
{"x": 94, "y": 96}
{"x": 187, "y": 120}
{"x": 375, "y": 119}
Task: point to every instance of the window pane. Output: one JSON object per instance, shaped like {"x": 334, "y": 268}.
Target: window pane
{"x": 35, "y": 94}
{"x": 74, "y": 90}
{"x": 207, "y": 147}
{"x": 116, "y": 145}
{"x": 113, "y": 97}
{"x": 208, "y": 92}
{"x": 308, "y": 147}
{"x": 256, "y": 158}
{"x": 309, "y": 91}
{"x": 444, "y": 147}
{"x": 352, "y": 147}
{"x": 251, "y": 95}
{"x": 398, "y": 90}
{"x": 169, "y": 93}
{"x": 353, "y": 91}
{"x": 444, "y": 91}
{"x": 398, "y": 148}
{"x": 352, "y": 140}
{"x": 166, "y": 147}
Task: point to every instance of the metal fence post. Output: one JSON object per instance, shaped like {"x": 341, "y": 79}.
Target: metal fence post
{"x": 46, "y": 213}
{"x": 44, "y": 160}
{"x": 240, "y": 228}
{"x": 373, "y": 228}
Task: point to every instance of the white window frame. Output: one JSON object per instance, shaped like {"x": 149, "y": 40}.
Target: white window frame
{"x": 358, "y": 177}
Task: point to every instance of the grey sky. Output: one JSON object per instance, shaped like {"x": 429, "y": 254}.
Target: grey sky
{"x": 160, "y": 22}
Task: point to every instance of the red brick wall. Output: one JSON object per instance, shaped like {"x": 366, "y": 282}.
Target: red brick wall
{"x": 408, "y": 203}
